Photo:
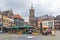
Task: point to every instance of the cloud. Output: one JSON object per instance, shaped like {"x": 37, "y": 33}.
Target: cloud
{"x": 2, "y": 5}
{"x": 19, "y": 6}
{"x": 51, "y": 7}
{"x": 26, "y": 19}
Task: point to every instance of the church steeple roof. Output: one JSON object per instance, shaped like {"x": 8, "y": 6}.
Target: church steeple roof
{"x": 31, "y": 6}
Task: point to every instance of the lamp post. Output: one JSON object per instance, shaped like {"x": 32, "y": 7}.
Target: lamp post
{"x": 1, "y": 29}
{"x": 53, "y": 29}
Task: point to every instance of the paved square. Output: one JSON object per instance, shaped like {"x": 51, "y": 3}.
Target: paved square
{"x": 30, "y": 37}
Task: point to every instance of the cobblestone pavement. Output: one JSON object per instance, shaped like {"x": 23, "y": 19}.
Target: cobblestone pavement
{"x": 19, "y": 37}
{"x": 50, "y": 37}
{"x": 30, "y": 37}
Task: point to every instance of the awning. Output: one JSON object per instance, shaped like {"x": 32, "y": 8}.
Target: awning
{"x": 23, "y": 26}
{"x": 45, "y": 27}
{"x": 15, "y": 26}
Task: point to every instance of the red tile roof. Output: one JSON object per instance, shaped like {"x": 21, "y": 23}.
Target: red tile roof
{"x": 17, "y": 16}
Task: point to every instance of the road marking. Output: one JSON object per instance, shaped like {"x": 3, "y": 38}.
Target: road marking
{"x": 29, "y": 36}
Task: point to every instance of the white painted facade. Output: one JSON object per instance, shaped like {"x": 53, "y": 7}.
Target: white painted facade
{"x": 48, "y": 23}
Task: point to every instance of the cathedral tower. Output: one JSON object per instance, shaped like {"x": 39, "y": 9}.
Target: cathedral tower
{"x": 32, "y": 15}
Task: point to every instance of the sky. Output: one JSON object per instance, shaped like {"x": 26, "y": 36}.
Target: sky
{"x": 21, "y": 7}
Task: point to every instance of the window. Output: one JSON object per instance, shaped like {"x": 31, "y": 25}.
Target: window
{"x": 0, "y": 16}
{"x": 50, "y": 24}
{"x": 7, "y": 21}
{"x": 44, "y": 24}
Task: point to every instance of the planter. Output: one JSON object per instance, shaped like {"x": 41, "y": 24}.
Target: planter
{"x": 19, "y": 33}
{"x": 35, "y": 33}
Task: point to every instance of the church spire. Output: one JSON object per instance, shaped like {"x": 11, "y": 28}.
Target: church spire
{"x": 32, "y": 11}
{"x": 31, "y": 6}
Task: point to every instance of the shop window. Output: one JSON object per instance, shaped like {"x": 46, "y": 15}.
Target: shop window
{"x": 7, "y": 21}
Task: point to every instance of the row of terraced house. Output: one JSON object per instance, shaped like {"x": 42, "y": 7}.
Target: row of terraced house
{"x": 8, "y": 20}
{"x": 49, "y": 21}
{"x": 45, "y": 21}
